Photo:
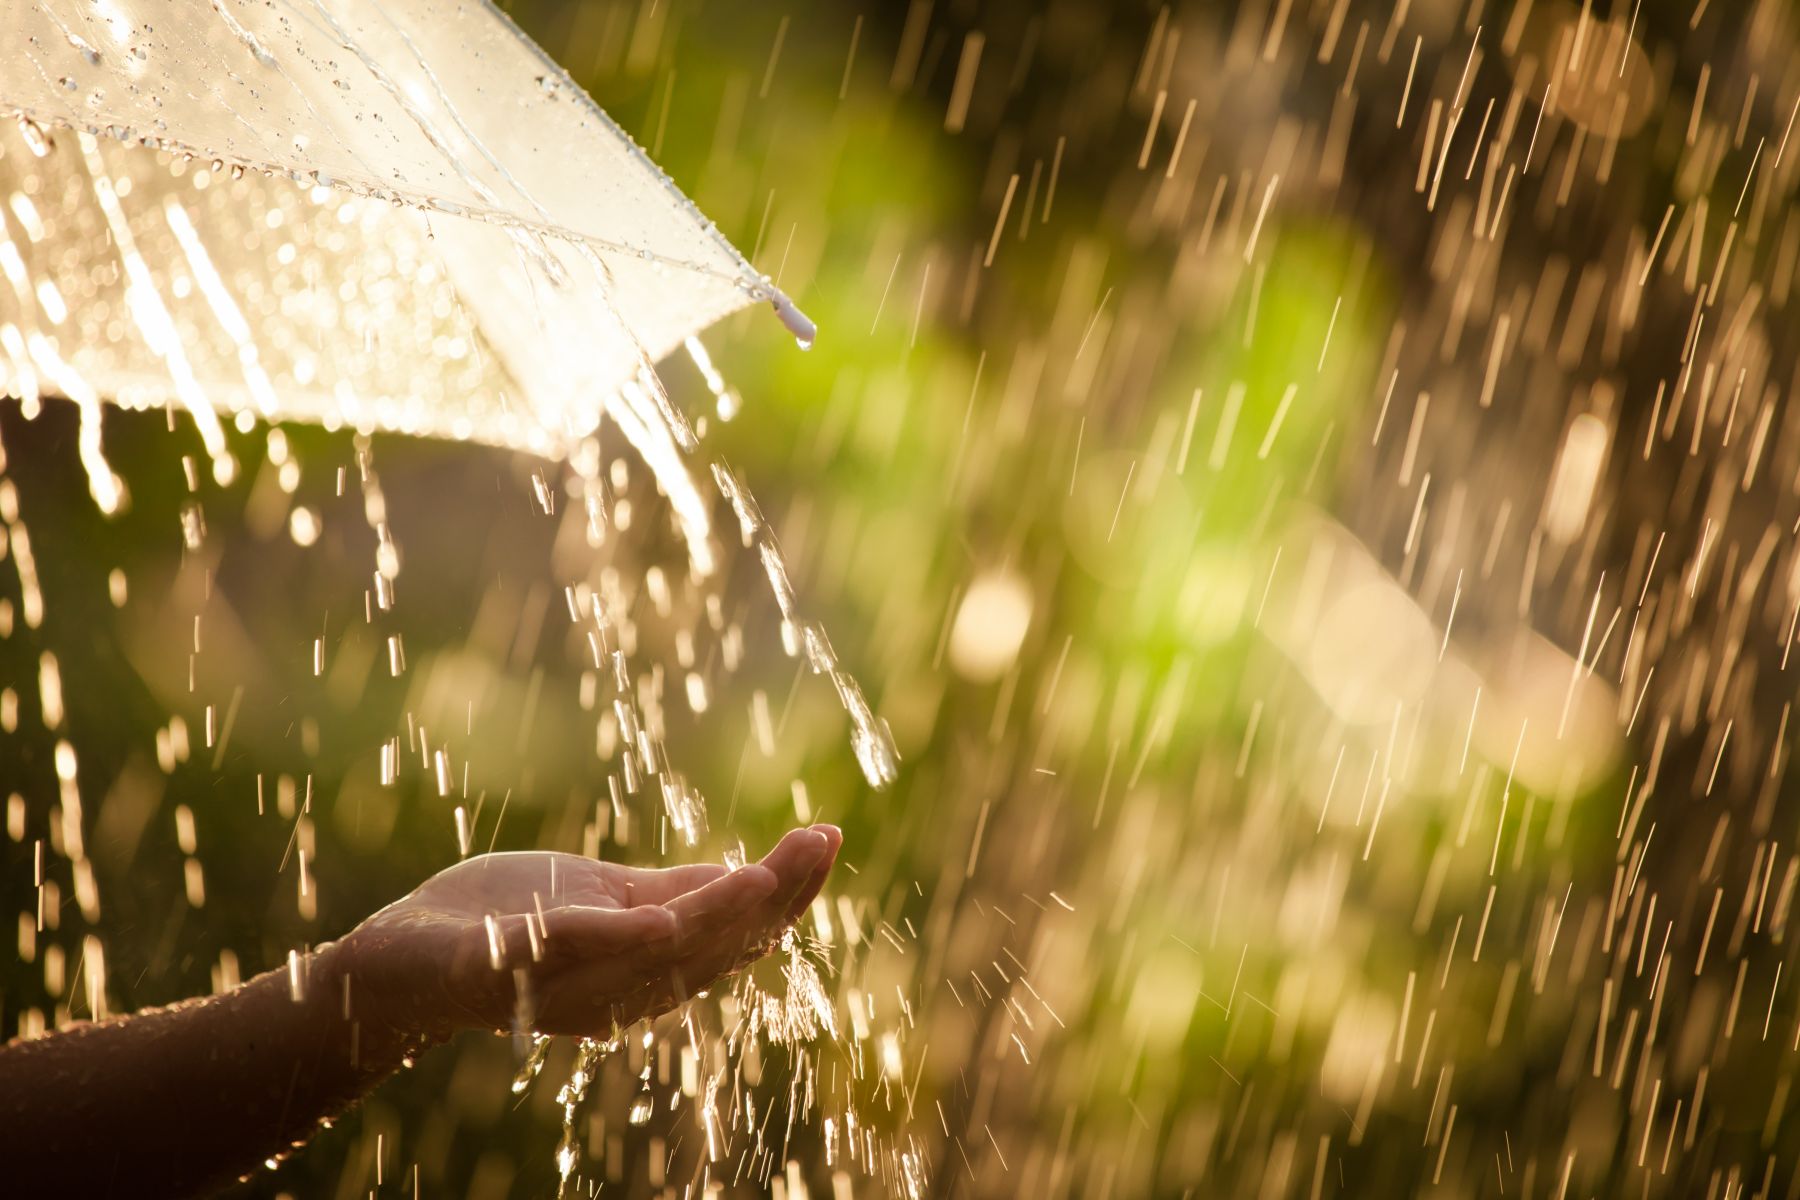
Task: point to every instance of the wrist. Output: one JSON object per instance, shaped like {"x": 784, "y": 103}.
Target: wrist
{"x": 363, "y": 989}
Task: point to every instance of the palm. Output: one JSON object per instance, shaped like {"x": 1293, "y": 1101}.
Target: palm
{"x": 565, "y": 944}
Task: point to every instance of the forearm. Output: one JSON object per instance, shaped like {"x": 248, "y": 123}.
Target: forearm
{"x": 179, "y": 1100}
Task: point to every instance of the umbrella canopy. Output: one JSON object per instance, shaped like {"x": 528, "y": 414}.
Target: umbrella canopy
{"x": 400, "y": 217}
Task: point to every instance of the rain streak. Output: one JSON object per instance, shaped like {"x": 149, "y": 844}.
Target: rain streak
{"x": 1305, "y": 496}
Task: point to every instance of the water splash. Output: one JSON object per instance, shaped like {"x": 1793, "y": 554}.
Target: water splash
{"x": 870, "y": 736}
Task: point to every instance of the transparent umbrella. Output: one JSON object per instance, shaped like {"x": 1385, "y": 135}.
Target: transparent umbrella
{"x": 400, "y": 217}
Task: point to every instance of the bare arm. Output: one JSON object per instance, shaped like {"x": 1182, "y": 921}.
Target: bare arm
{"x": 178, "y": 1101}
{"x": 175, "y": 1101}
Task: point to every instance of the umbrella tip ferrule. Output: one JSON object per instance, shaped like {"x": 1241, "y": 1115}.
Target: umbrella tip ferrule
{"x": 797, "y": 322}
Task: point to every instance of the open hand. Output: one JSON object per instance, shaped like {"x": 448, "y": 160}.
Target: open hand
{"x": 561, "y": 944}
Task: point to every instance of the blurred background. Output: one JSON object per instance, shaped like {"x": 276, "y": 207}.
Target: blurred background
{"x": 1311, "y": 488}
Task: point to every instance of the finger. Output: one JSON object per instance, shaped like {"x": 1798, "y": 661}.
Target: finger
{"x": 834, "y": 840}
{"x": 593, "y": 961}
{"x": 795, "y": 855}
{"x": 709, "y": 952}
{"x": 706, "y": 961}
{"x": 793, "y": 861}
{"x": 659, "y": 886}
{"x": 710, "y": 911}
{"x": 584, "y": 929}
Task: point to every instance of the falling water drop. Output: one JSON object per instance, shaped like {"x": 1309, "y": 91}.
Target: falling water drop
{"x": 875, "y": 753}
{"x": 533, "y": 1064}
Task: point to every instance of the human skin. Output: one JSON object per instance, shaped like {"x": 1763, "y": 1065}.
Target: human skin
{"x": 181, "y": 1100}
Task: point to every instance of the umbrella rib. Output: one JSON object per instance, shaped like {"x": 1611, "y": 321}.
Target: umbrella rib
{"x": 756, "y": 287}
